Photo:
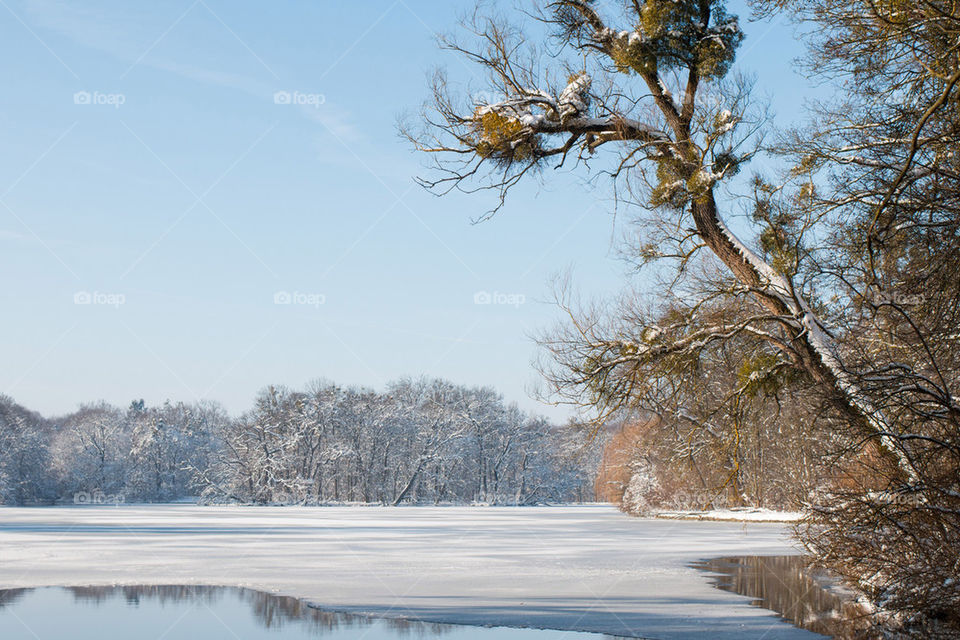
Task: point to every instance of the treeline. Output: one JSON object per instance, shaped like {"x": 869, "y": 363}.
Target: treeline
{"x": 419, "y": 441}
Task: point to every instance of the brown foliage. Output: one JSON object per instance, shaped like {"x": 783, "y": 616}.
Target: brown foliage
{"x": 624, "y": 446}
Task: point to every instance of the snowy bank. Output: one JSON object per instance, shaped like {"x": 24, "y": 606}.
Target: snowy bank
{"x": 739, "y": 514}
{"x": 587, "y": 568}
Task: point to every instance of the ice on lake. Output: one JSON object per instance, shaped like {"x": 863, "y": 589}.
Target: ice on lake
{"x": 571, "y": 568}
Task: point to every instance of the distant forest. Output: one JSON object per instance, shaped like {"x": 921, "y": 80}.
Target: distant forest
{"x": 419, "y": 441}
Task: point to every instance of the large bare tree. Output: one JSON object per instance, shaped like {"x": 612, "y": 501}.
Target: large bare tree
{"x": 817, "y": 286}
{"x": 657, "y": 92}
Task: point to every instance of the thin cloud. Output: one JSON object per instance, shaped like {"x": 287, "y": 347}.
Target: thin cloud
{"x": 7, "y": 235}
{"x": 128, "y": 39}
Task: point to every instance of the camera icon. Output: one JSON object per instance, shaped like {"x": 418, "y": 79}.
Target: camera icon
{"x": 282, "y": 297}
{"x": 482, "y": 297}
{"x": 81, "y": 97}
{"x": 81, "y": 497}
{"x": 82, "y": 297}
{"x": 282, "y": 97}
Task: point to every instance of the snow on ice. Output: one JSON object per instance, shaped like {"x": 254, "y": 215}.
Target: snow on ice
{"x": 587, "y": 568}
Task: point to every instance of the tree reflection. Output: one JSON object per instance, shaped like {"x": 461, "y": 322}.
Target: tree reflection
{"x": 9, "y": 596}
{"x": 787, "y": 585}
{"x": 272, "y": 611}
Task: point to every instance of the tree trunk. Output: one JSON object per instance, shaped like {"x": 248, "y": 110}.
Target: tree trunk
{"x": 811, "y": 345}
{"x": 410, "y": 482}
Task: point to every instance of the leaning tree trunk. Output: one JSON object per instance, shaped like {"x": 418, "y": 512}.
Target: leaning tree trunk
{"x": 812, "y": 347}
{"x": 411, "y": 481}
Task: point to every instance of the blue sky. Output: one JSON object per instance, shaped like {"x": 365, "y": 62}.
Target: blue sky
{"x": 147, "y": 169}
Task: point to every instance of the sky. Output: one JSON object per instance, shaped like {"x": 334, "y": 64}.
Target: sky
{"x": 200, "y": 198}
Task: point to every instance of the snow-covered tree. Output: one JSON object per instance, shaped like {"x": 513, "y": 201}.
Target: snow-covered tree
{"x": 92, "y": 447}
{"x": 421, "y": 440}
{"x": 417, "y": 441}
{"x": 879, "y": 166}
{"x": 167, "y": 445}
{"x": 24, "y": 456}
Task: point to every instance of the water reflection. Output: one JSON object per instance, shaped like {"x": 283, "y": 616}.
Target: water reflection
{"x": 787, "y": 585}
{"x": 9, "y": 596}
{"x": 108, "y": 613}
{"x": 271, "y": 611}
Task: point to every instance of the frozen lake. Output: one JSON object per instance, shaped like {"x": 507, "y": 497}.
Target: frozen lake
{"x": 584, "y": 568}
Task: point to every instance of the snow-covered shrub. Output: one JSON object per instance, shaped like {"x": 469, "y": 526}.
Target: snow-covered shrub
{"x": 641, "y": 493}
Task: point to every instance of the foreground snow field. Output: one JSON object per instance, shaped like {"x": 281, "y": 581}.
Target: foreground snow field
{"x": 586, "y": 568}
